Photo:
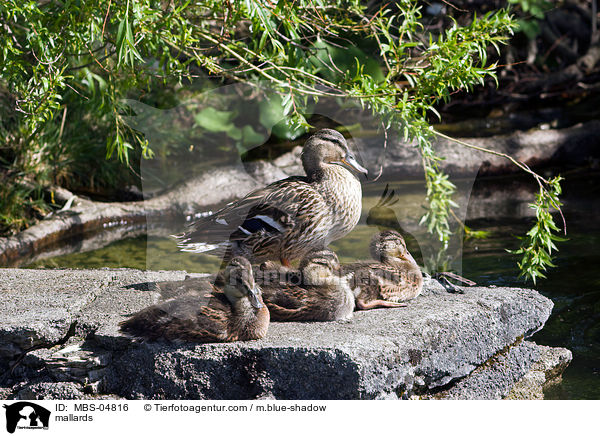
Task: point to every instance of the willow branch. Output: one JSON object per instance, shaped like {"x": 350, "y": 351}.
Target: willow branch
{"x": 539, "y": 179}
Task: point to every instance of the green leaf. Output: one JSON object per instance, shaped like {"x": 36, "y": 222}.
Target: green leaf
{"x": 251, "y": 137}
{"x": 333, "y": 61}
{"x": 215, "y": 120}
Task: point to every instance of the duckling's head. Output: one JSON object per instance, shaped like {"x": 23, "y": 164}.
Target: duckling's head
{"x": 239, "y": 282}
{"x": 320, "y": 268}
{"x": 325, "y": 148}
{"x": 389, "y": 246}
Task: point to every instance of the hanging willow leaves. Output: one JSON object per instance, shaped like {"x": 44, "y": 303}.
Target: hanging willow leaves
{"x": 79, "y": 60}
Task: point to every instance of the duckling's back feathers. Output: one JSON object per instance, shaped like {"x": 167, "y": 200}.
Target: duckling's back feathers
{"x": 308, "y": 303}
{"x": 189, "y": 318}
{"x": 376, "y": 280}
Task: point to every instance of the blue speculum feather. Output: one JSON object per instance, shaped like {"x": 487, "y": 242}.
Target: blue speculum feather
{"x": 254, "y": 225}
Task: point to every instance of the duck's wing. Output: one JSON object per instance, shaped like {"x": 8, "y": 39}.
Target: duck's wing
{"x": 399, "y": 284}
{"x": 286, "y": 302}
{"x": 301, "y": 303}
{"x": 209, "y": 324}
{"x": 359, "y": 271}
{"x": 285, "y": 295}
{"x": 198, "y": 318}
{"x": 265, "y": 213}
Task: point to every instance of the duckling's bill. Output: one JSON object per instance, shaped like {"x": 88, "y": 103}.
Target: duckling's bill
{"x": 253, "y": 296}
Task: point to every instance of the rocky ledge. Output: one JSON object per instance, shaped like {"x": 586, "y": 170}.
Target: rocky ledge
{"x": 59, "y": 340}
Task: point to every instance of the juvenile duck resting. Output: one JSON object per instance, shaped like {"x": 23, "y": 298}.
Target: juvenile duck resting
{"x": 316, "y": 293}
{"x": 394, "y": 277}
{"x": 237, "y": 313}
{"x": 289, "y": 218}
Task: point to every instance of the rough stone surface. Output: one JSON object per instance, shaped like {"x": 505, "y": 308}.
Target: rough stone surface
{"x": 546, "y": 371}
{"x": 493, "y": 379}
{"x": 58, "y": 391}
{"x": 42, "y": 307}
{"x": 442, "y": 345}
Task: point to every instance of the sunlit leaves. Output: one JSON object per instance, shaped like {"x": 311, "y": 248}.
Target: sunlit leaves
{"x": 83, "y": 58}
{"x": 538, "y": 244}
{"x": 439, "y": 201}
{"x": 125, "y": 43}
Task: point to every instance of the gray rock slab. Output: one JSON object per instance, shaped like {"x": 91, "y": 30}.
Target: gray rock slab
{"x": 39, "y": 307}
{"x": 495, "y": 378}
{"x": 438, "y": 338}
{"x": 427, "y": 347}
{"x": 57, "y": 391}
{"x": 545, "y": 372}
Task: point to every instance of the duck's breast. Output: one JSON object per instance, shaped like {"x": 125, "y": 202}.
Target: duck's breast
{"x": 343, "y": 194}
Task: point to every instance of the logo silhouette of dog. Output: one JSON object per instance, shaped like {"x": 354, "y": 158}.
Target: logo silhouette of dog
{"x": 26, "y": 414}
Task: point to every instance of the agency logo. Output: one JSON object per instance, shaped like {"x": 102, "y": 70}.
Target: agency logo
{"x": 26, "y": 415}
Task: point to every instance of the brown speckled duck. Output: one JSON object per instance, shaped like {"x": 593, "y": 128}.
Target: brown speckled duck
{"x": 316, "y": 293}
{"x": 237, "y": 313}
{"x": 394, "y": 277}
{"x": 289, "y": 218}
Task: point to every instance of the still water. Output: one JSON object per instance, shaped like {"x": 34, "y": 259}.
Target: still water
{"x": 494, "y": 205}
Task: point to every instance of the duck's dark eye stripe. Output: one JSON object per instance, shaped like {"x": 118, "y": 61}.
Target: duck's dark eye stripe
{"x": 335, "y": 140}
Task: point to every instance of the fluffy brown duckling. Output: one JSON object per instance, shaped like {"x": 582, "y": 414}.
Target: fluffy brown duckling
{"x": 235, "y": 313}
{"x": 316, "y": 292}
{"x": 395, "y": 278}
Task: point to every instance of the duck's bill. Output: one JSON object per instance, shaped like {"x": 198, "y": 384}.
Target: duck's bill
{"x": 351, "y": 163}
{"x": 254, "y": 297}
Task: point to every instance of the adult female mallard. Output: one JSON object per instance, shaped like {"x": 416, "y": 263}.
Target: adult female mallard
{"x": 316, "y": 292}
{"x": 287, "y": 219}
{"x": 394, "y": 278}
{"x": 237, "y": 313}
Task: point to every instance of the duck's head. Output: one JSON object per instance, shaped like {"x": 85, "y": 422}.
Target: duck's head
{"x": 320, "y": 267}
{"x": 325, "y": 148}
{"x": 239, "y": 282}
{"x": 389, "y": 245}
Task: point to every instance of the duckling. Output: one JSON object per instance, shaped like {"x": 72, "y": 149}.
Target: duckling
{"x": 316, "y": 293}
{"x": 291, "y": 217}
{"x": 237, "y": 313}
{"x": 395, "y": 278}
{"x": 383, "y": 216}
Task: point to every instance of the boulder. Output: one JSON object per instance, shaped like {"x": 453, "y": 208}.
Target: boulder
{"x": 59, "y": 339}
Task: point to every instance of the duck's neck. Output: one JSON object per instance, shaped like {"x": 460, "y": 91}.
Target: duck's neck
{"x": 242, "y": 308}
{"x": 329, "y": 173}
{"x": 248, "y": 321}
{"x": 342, "y": 192}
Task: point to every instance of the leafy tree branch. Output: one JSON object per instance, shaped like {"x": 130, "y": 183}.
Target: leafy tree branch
{"x": 88, "y": 56}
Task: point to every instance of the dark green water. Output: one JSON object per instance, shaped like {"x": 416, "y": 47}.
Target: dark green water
{"x": 573, "y": 286}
